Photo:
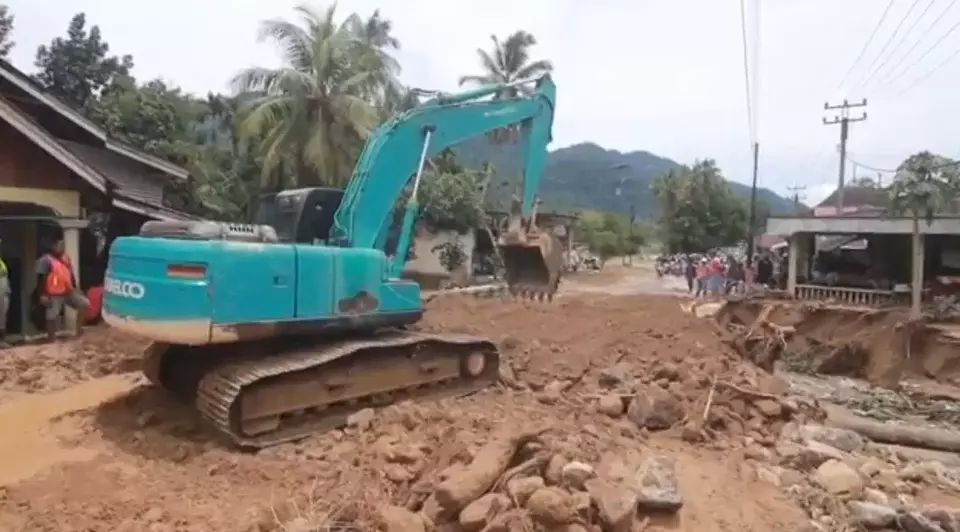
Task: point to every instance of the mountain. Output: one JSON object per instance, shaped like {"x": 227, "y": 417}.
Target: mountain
{"x": 586, "y": 176}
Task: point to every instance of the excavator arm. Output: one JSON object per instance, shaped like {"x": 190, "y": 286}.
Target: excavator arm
{"x": 396, "y": 152}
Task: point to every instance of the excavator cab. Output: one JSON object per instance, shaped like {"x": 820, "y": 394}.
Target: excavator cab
{"x": 303, "y": 216}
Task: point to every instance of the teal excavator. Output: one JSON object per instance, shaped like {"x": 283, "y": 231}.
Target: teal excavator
{"x": 287, "y": 326}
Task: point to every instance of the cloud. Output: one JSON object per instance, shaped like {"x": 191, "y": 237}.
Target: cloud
{"x": 665, "y": 77}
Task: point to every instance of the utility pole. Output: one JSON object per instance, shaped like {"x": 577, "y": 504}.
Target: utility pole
{"x": 796, "y": 190}
{"x": 844, "y": 120}
{"x": 753, "y": 205}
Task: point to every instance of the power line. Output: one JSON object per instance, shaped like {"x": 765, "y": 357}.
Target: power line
{"x": 746, "y": 69}
{"x": 871, "y": 168}
{"x": 931, "y": 72}
{"x": 866, "y": 45}
{"x": 903, "y": 38}
{"x": 883, "y": 49}
{"x": 887, "y": 78}
{"x": 927, "y": 52}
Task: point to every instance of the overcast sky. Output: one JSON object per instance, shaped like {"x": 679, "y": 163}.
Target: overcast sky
{"x": 664, "y": 76}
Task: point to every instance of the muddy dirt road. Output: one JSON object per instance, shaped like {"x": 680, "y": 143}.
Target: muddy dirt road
{"x": 633, "y": 397}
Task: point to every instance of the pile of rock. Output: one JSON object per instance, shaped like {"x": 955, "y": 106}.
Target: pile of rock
{"x": 845, "y": 481}
{"x": 516, "y": 482}
{"x": 736, "y": 401}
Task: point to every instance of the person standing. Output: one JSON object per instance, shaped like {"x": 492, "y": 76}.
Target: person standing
{"x": 4, "y": 295}
{"x": 690, "y": 272}
{"x": 58, "y": 287}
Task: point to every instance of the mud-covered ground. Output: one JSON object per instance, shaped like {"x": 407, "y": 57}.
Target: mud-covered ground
{"x": 88, "y": 446}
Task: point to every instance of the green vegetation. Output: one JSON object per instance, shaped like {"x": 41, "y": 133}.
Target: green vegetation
{"x": 305, "y": 122}
{"x": 6, "y": 29}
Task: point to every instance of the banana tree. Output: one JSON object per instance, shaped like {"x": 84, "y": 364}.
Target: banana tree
{"x": 925, "y": 185}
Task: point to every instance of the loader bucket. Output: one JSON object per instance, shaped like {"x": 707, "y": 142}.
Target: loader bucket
{"x": 533, "y": 262}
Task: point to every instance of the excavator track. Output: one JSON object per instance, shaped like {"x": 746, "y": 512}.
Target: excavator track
{"x": 261, "y": 400}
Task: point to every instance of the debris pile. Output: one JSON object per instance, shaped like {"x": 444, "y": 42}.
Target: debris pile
{"x": 657, "y": 370}
{"x": 46, "y": 367}
{"x": 846, "y": 482}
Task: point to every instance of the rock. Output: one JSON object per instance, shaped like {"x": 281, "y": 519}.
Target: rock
{"x": 479, "y": 512}
{"x": 610, "y": 405}
{"x": 298, "y": 524}
{"x": 655, "y": 483}
{"x": 767, "y": 475}
{"x": 397, "y": 473}
{"x": 843, "y": 439}
{"x": 928, "y": 471}
{"x": 667, "y": 371}
{"x": 615, "y": 375}
{"x": 521, "y": 488}
{"x": 839, "y": 479}
{"x": 917, "y": 522}
{"x": 153, "y": 515}
{"x": 554, "y": 469}
{"x": 757, "y": 452}
{"x": 876, "y": 496}
{"x": 616, "y": 504}
{"x": 552, "y": 506}
{"x": 946, "y": 518}
{"x": 574, "y": 474}
{"x": 790, "y": 477}
{"x": 361, "y": 419}
{"x": 768, "y": 407}
{"x": 398, "y": 519}
{"x": 870, "y": 515}
{"x": 655, "y": 409}
{"x": 573, "y": 527}
{"x": 871, "y": 467}
{"x": 808, "y": 456}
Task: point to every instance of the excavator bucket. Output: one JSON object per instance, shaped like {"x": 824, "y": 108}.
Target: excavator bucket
{"x": 533, "y": 260}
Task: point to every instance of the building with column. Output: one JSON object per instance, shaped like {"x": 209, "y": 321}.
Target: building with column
{"x": 910, "y": 264}
{"x": 62, "y": 175}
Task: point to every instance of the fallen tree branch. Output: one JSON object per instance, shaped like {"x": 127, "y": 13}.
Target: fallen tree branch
{"x": 907, "y": 435}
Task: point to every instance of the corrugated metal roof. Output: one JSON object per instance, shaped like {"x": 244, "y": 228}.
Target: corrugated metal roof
{"x": 130, "y": 178}
{"x": 859, "y": 197}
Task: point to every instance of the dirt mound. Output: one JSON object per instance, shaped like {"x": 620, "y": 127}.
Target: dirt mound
{"x": 46, "y": 367}
{"x": 664, "y": 364}
{"x": 612, "y": 382}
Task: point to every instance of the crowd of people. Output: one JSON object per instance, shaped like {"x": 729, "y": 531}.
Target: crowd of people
{"x": 712, "y": 274}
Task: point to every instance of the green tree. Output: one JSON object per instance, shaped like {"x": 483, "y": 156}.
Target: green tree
{"x": 153, "y": 117}
{"x": 610, "y": 234}
{"x": 313, "y": 113}
{"x": 6, "y": 31}
{"x": 77, "y": 68}
{"x": 508, "y": 61}
{"x": 925, "y": 185}
{"x": 697, "y": 209}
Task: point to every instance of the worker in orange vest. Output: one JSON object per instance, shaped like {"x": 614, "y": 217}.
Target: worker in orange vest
{"x": 58, "y": 287}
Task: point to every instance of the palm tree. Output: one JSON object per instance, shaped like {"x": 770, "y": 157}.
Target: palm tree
{"x": 509, "y": 61}
{"x": 313, "y": 113}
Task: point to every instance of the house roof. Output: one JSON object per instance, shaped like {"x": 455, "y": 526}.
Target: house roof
{"x": 858, "y": 197}
{"x": 101, "y": 168}
{"x": 14, "y": 76}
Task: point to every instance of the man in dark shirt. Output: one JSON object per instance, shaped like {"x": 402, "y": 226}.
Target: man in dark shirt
{"x": 765, "y": 270}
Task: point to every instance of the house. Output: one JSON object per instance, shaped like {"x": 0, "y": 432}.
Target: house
{"x": 857, "y": 201}
{"x": 62, "y": 175}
